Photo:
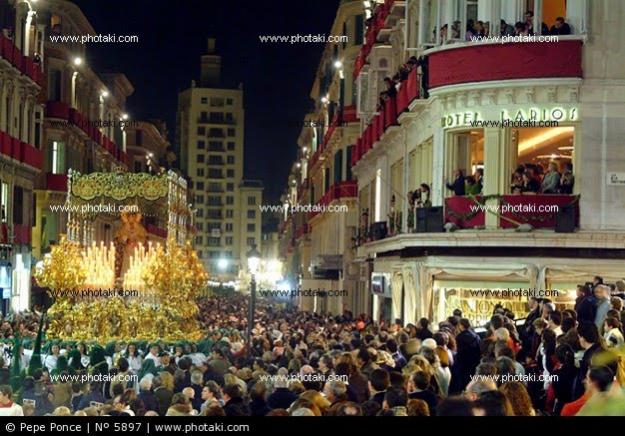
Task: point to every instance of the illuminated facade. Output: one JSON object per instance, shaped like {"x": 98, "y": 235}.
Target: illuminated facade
{"x": 21, "y": 146}
{"x": 210, "y": 133}
{"x": 428, "y": 132}
{"x": 317, "y": 244}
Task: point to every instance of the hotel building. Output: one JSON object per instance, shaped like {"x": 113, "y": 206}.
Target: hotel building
{"x": 427, "y": 132}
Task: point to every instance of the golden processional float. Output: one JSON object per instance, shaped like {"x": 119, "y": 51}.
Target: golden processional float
{"x": 130, "y": 288}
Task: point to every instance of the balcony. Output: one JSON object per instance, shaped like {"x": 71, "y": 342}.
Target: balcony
{"x": 56, "y": 182}
{"x": 21, "y": 234}
{"x": 345, "y": 189}
{"x": 20, "y": 151}
{"x": 60, "y": 110}
{"x": 521, "y": 209}
{"x": 393, "y": 108}
{"x": 497, "y": 62}
{"x": 26, "y": 65}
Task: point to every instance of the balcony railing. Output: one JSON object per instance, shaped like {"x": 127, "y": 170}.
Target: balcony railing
{"x": 371, "y": 35}
{"x": 468, "y": 213}
{"x": 345, "y": 189}
{"x": 388, "y": 117}
{"x": 58, "y": 109}
{"x": 11, "y": 53}
{"x": 497, "y": 62}
{"x": 21, "y": 151}
{"x": 56, "y": 182}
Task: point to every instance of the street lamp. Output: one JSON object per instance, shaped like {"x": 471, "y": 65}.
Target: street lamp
{"x": 253, "y": 262}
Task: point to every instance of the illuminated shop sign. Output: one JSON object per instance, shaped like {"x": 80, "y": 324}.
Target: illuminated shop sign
{"x": 500, "y": 118}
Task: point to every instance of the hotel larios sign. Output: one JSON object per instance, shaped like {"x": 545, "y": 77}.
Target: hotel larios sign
{"x": 616, "y": 179}
{"x": 521, "y": 117}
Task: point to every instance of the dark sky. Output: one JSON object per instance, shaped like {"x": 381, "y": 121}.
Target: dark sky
{"x": 277, "y": 77}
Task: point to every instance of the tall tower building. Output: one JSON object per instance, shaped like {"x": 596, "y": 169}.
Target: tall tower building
{"x": 210, "y": 129}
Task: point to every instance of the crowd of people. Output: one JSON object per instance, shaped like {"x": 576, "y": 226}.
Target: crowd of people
{"x": 527, "y": 179}
{"x": 478, "y": 29}
{"x": 534, "y": 179}
{"x": 559, "y": 362}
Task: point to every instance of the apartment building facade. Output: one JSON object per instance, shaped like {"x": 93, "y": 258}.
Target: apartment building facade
{"x": 316, "y": 240}
{"x": 210, "y": 135}
{"x": 428, "y": 132}
{"x": 21, "y": 146}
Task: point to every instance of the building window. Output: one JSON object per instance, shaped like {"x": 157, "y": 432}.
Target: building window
{"x": 200, "y": 213}
{"x": 200, "y": 158}
{"x": 198, "y": 240}
{"x": 199, "y": 254}
{"x": 230, "y": 146}
{"x": 251, "y": 214}
{"x": 201, "y": 130}
{"x": 231, "y": 131}
{"x": 215, "y": 173}
{"x": 251, "y": 227}
{"x": 229, "y": 227}
{"x": 217, "y": 101}
{"x": 251, "y": 242}
{"x": 229, "y": 213}
{"x": 200, "y": 226}
{"x": 199, "y": 186}
{"x": 229, "y": 240}
{"x": 229, "y": 199}
{"x": 229, "y": 187}
{"x": 229, "y": 117}
{"x": 201, "y": 145}
{"x": 230, "y": 160}
{"x": 251, "y": 201}
{"x": 216, "y": 132}
{"x": 214, "y": 200}
{"x": 229, "y": 173}
{"x": 200, "y": 172}
{"x": 58, "y": 157}
{"x": 215, "y": 146}
{"x": 204, "y": 100}
{"x": 199, "y": 199}
{"x": 214, "y": 242}
{"x": 229, "y": 102}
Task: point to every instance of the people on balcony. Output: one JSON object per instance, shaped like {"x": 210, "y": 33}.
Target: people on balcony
{"x": 530, "y": 185}
{"x": 567, "y": 180}
{"x": 560, "y": 27}
{"x": 423, "y": 199}
{"x": 529, "y": 22}
{"x": 471, "y": 32}
{"x": 506, "y": 29}
{"x": 455, "y": 30}
{"x": 471, "y": 186}
{"x": 391, "y": 89}
{"x": 551, "y": 180}
{"x": 458, "y": 184}
{"x": 520, "y": 29}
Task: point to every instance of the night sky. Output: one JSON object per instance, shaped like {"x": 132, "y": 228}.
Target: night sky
{"x": 277, "y": 77}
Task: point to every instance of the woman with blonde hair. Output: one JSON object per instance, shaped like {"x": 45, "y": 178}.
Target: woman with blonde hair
{"x": 519, "y": 399}
{"x": 167, "y": 380}
{"x": 317, "y": 399}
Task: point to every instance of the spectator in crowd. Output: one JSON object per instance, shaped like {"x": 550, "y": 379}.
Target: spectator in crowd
{"x": 560, "y": 27}
{"x": 530, "y": 184}
{"x": 458, "y": 185}
{"x": 506, "y": 29}
{"x": 602, "y": 301}
{"x": 551, "y": 180}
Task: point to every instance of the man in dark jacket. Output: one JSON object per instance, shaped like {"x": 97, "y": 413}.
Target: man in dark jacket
{"x": 235, "y": 404}
{"x": 146, "y": 395}
{"x": 467, "y": 356}
{"x": 585, "y": 304}
{"x": 282, "y": 397}
{"x": 458, "y": 185}
{"x": 162, "y": 394}
{"x": 589, "y": 340}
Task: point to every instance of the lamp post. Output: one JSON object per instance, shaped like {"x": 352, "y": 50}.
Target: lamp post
{"x": 253, "y": 262}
